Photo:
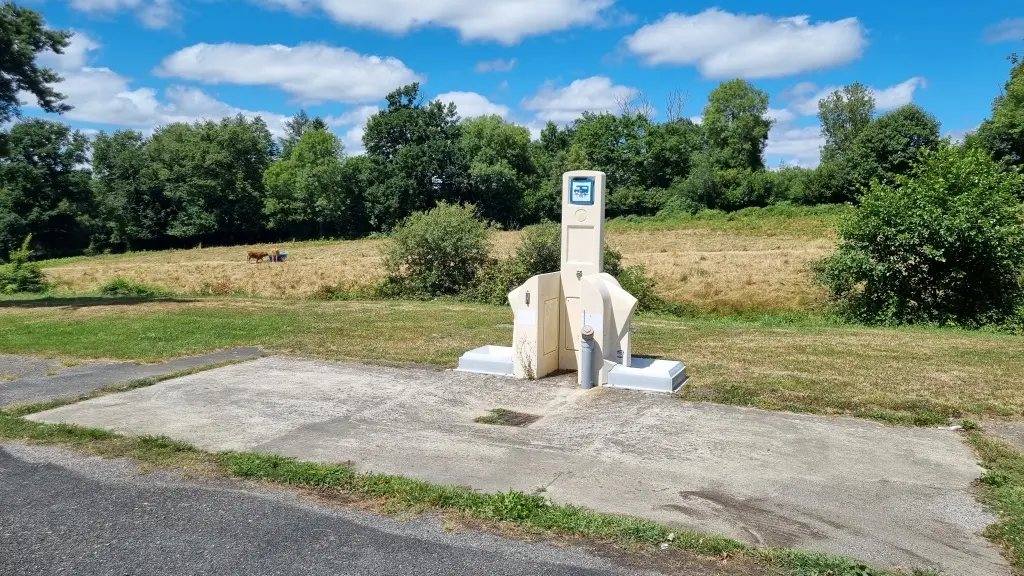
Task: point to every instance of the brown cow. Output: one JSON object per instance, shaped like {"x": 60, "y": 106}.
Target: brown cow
{"x": 258, "y": 255}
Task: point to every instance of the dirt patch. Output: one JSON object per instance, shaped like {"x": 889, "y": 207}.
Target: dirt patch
{"x": 505, "y": 417}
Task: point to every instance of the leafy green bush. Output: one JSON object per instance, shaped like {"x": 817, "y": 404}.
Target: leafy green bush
{"x": 124, "y": 288}
{"x": 639, "y": 201}
{"x": 437, "y": 252}
{"x": 612, "y": 261}
{"x": 539, "y": 252}
{"x": 945, "y": 245}
{"x": 21, "y": 275}
{"x": 343, "y": 291}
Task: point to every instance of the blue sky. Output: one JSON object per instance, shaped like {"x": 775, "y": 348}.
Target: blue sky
{"x": 142, "y": 63}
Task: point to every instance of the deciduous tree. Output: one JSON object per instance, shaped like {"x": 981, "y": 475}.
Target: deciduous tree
{"x": 735, "y": 125}
{"x": 44, "y": 188}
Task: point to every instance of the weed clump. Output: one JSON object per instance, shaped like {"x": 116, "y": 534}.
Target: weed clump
{"x": 121, "y": 287}
{"x": 21, "y": 275}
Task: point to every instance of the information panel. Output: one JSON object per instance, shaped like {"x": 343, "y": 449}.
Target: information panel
{"x": 581, "y": 191}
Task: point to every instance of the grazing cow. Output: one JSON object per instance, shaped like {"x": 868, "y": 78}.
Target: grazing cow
{"x": 258, "y": 255}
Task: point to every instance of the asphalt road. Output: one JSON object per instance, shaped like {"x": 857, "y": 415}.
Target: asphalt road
{"x": 32, "y": 384}
{"x": 62, "y": 513}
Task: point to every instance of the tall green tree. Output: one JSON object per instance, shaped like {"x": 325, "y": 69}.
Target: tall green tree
{"x": 1003, "y": 134}
{"x": 418, "y": 157}
{"x": 889, "y": 145}
{"x": 295, "y": 127}
{"x": 23, "y": 36}
{"x": 544, "y": 200}
{"x": 844, "y": 114}
{"x": 616, "y": 145}
{"x": 212, "y": 174}
{"x": 670, "y": 149}
{"x": 131, "y": 202}
{"x": 735, "y": 125}
{"x": 307, "y": 193}
{"x": 501, "y": 169}
{"x": 44, "y": 188}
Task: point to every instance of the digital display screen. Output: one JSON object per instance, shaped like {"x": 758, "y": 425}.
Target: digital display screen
{"x": 581, "y": 191}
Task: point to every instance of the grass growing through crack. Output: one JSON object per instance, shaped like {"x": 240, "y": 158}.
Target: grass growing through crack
{"x": 396, "y": 493}
{"x": 506, "y": 417}
{"x": 1002, "y": 488}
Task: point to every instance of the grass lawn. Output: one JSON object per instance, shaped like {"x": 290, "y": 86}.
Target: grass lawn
{"x": 905, "y": 376}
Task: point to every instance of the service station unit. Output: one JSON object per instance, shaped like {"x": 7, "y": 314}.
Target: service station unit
{"x": 580, "y": 317}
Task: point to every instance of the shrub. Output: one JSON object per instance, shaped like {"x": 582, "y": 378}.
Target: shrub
{"x": 124, "y": 288}
{"x": 639, "y": 201}
{"x": 343, "y": 291}
{"x": 945, "y": 245}
{"x": 612, "y": 261}
{"x": 437, "y": 252}
{"x": 21, "y": 275}
{"x": 539, "y": 252}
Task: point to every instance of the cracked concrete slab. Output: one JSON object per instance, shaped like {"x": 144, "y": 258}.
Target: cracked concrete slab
{"x": 38, "y": 385}
{"x": 887, "y": 496}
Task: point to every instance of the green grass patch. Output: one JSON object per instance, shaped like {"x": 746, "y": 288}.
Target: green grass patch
{"x": 506, "y": 417}
{"x": 800, "y": 221}
{"x": 532, "y": 512}
{"x": 121, "y": 287}
{"x": 1002, "y": 489}
{"x": 805, "y": 363}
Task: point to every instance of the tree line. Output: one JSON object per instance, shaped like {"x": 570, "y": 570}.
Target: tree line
{"x": 231, "y": 182}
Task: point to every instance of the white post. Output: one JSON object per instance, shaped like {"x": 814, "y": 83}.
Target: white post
{"x": 583, "y": 197}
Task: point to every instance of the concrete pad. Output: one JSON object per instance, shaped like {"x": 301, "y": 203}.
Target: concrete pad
{"x": 90, "y": 376}
{"x": 888, "y": 496}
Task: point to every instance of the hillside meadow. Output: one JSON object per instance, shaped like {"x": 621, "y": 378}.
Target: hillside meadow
{"x": 753, "y": 260}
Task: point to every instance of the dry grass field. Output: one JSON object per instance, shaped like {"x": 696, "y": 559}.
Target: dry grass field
{"x": 763, "y": 268}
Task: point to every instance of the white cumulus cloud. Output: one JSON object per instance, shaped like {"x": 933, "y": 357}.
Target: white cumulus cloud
{"x": 153, "y": 14}
{"x": 796, "y": 145}
{"x": 471, "y": 104}
{"x": 780, "y": 115}
{"x": 565, "y": 104}
{"x": 505, "y": 21}
{"x": 101, "y": 96}
{"x": 353, "y": 123}
{"x": 313, "y": 72}
{"x": 801, "y": 145}
{"x": 725, "y": 45}
{"x": 886, "y": 99}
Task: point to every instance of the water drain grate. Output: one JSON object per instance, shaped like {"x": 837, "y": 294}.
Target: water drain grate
{"x": 505, "y": 417}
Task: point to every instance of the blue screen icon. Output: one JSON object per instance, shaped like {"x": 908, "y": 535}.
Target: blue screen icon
{"x": 581, "y": 191}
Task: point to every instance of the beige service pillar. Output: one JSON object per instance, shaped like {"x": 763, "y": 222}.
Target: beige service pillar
{"x": 583, "y": 195}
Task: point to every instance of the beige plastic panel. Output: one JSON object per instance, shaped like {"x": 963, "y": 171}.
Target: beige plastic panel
{"x": 552, "y": 320}
{"x": 571, "y": 331}
{"x": 536, "y": 310}
{"x": 608, "y": 309}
